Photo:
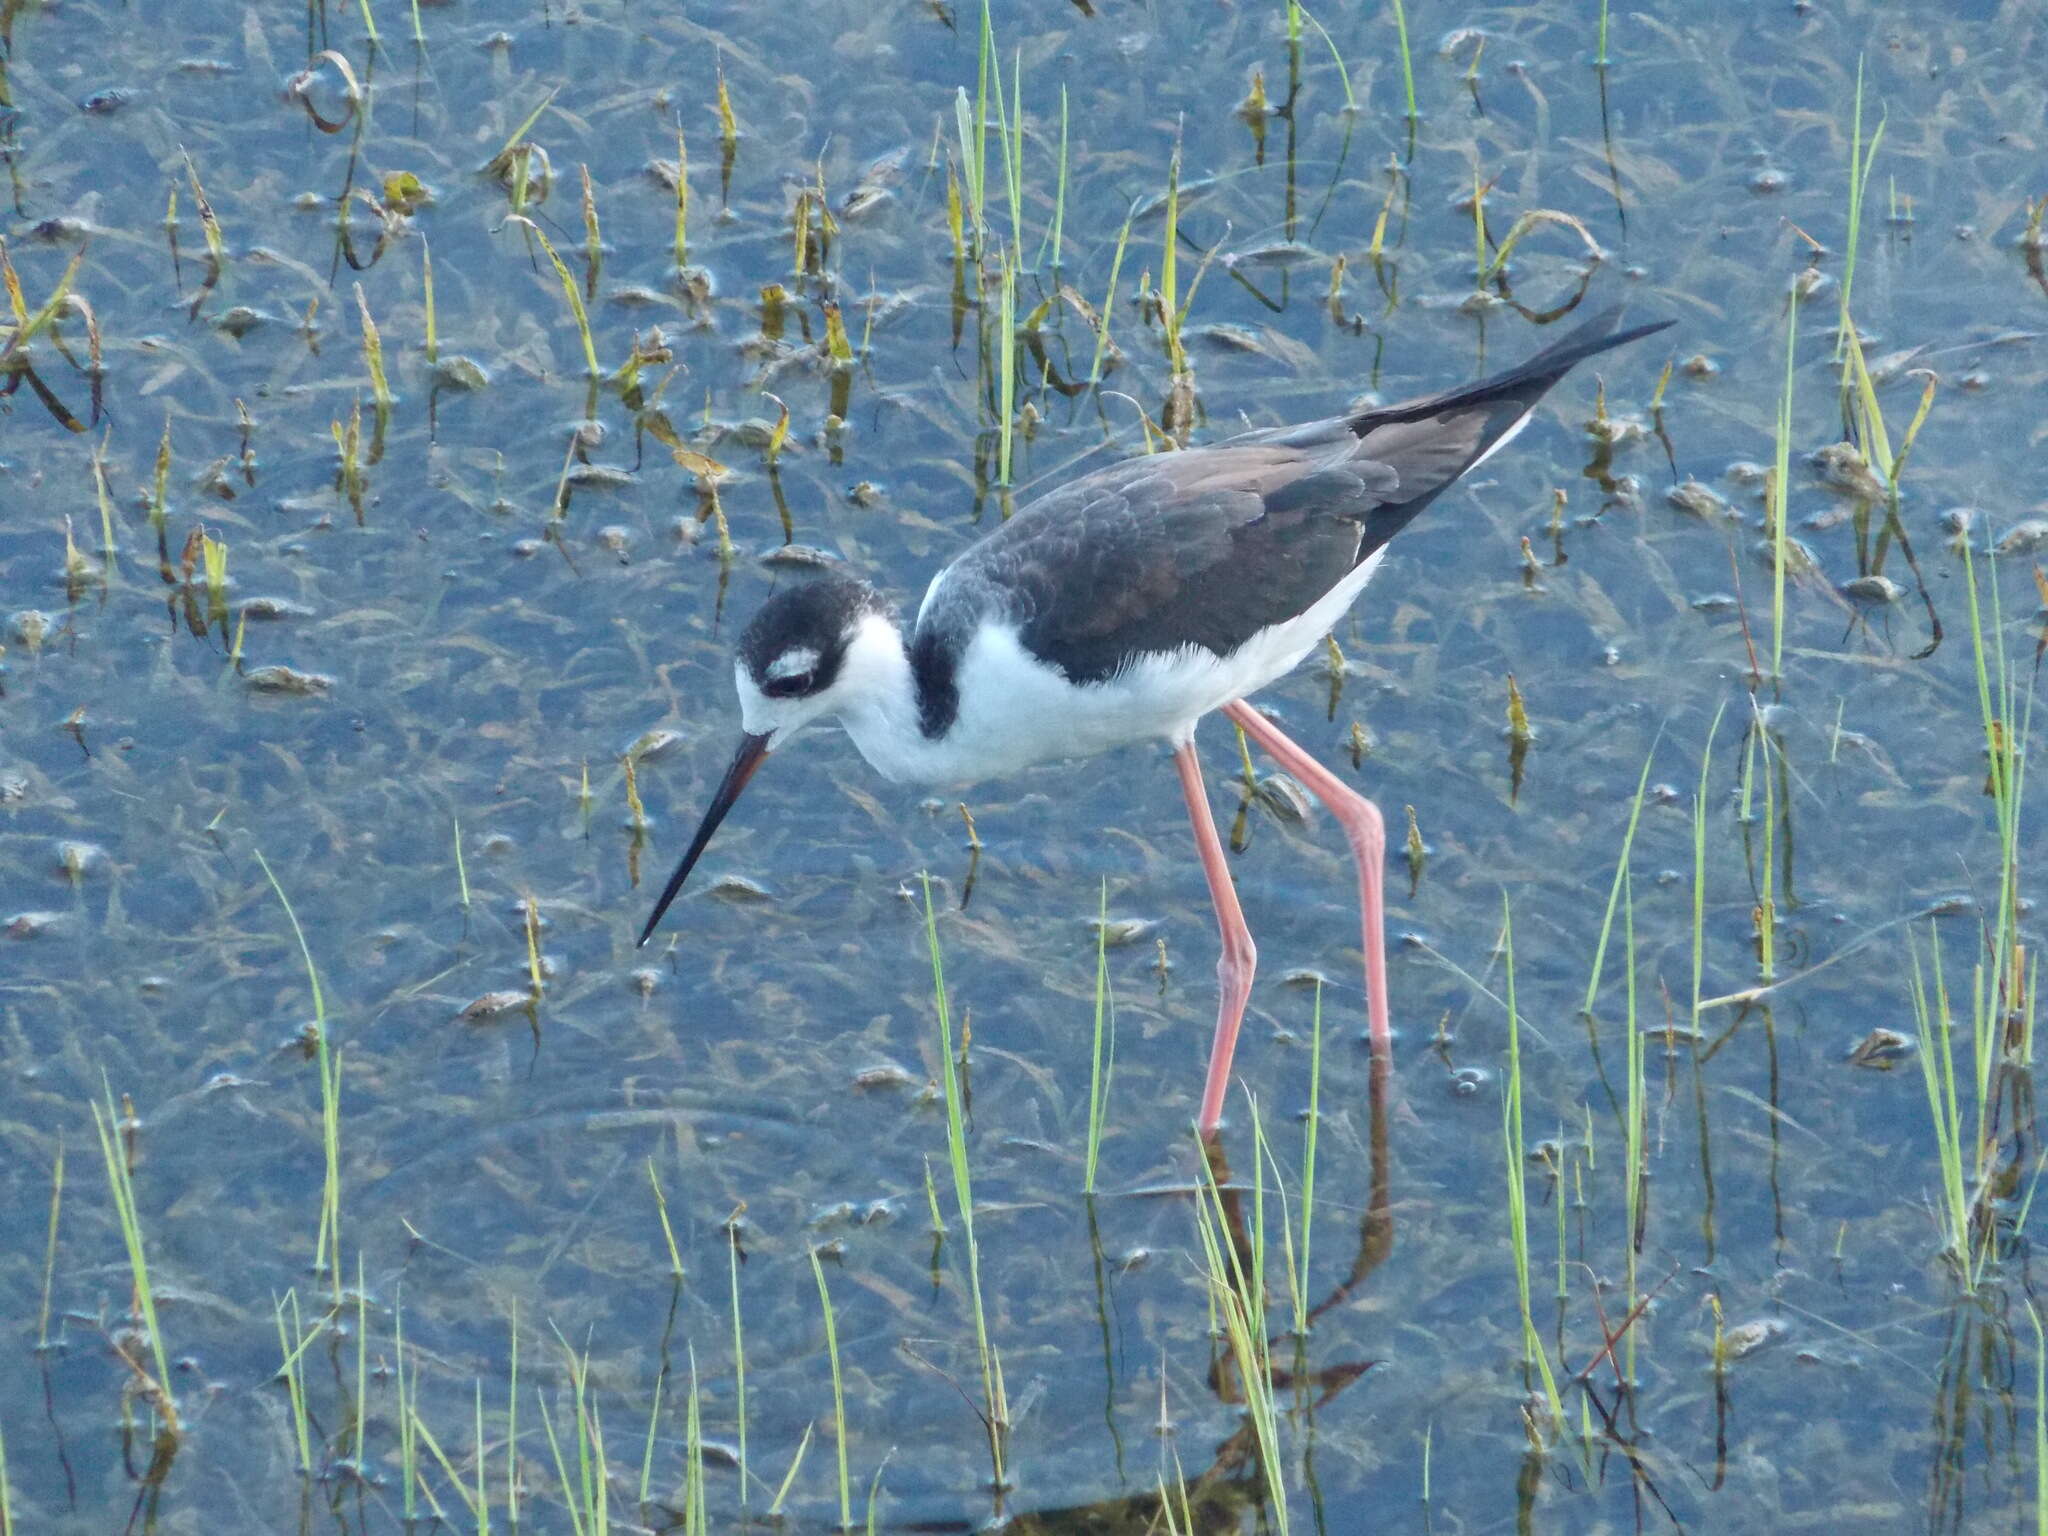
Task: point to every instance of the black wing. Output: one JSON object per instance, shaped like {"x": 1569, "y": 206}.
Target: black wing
{"x": 1200, "y": 548}
{"x": 1208, "y": 546}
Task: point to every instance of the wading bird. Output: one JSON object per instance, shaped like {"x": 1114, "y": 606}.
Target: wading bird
{"x": 1123, "y": 607}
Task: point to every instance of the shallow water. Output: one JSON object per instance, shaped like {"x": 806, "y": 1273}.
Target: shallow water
{"x": 527, "y": 589}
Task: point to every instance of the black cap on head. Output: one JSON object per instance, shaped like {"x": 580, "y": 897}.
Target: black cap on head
{"x": 794, "y": 646}
{"x": 793, "y": 649}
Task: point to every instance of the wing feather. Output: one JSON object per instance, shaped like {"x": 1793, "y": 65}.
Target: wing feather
{"x": 1209, "y": 546}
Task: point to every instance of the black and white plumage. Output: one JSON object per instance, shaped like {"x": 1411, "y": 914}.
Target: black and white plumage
{"x": 1126, "y": 605}
{"x": 1210, "y": 547}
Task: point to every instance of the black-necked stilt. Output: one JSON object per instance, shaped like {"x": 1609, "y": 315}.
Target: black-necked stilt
{"x": 1125, "y": 606}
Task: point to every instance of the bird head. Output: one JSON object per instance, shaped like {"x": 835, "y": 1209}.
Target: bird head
{"x": 790, "y": 670}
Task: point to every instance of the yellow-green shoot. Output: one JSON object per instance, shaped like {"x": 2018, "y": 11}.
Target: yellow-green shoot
{"x": 789, "y": 1477}
{"x": 50, "y": 1251}
{"x": 1515, "y": 1152}
{"x": 107, "y": 1123}
{"x": 373, "y": 357}
{"x": 1407, "y": 64}
{"x": 996, "y": 1415}
{"x": 839, "y": 1426}
{"x": 433, "y": 342}
{"x": 1116, "y": 265}
{"x": 575, "y": 297}
{"x": 1102, "y": 1050}
{"x": 1780, "y": 491}
{"x": 1861, "y": 157}
{"x": 1960, "y": 1153}
{"x": 1238, "y": 1300}
{"x": 327, "y": 1247}
{"x": 28, "y": 326}
{"x": 739, "y": 1340}
{"x": 1614, "y": 890}
{"x": 668, "y": 1233}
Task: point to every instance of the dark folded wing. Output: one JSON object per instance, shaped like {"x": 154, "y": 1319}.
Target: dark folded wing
{"x": 1209, "y": 546}
{"x": 1204, "y": 548}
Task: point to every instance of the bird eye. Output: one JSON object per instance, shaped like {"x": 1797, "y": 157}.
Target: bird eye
{"x": 793, "y": 686}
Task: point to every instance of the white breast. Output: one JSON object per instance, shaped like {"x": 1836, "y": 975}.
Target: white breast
{"x": 1016, "y": 710}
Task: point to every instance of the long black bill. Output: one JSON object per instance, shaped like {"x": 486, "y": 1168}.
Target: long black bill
{"x": 752, "y": 750}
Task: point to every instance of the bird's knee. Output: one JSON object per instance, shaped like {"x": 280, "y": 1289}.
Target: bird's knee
{"x": 1364, "y": 828}
{"x": 1237, "y": 964}
{"x": 1371, "y": 843}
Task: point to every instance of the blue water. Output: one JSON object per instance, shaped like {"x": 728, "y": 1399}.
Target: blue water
{"x": 529, "y": 588}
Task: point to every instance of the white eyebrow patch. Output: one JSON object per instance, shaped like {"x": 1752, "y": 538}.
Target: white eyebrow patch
{"x": 794, "y": 662}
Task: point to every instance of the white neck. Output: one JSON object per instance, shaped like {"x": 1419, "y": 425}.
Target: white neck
{"x": 876, "y": 701}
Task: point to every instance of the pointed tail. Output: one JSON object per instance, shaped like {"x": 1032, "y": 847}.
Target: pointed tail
{"x": 1432, "y": 441}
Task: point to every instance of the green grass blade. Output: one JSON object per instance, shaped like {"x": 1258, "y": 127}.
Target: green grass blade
{"x": 838, "y": 1393}
{"x": 1102, "y": 1047}
{"x": 114, "y": 1152}
{"x": 1628, "y": 839}
{"x": 739, "y": 1346}
{"x": 1781, "y": 491}
{"x": 789, "y": 1477}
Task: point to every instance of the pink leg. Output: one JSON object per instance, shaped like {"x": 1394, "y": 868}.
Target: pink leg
{"x": 1366, "y": 833}
{"x": 1240, "y": 957}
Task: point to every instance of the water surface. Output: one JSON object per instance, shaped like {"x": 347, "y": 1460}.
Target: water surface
{"x": 523, "y": 583}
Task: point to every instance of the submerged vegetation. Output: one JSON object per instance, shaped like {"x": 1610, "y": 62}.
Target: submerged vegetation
{"x": 870, "y": 1202}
